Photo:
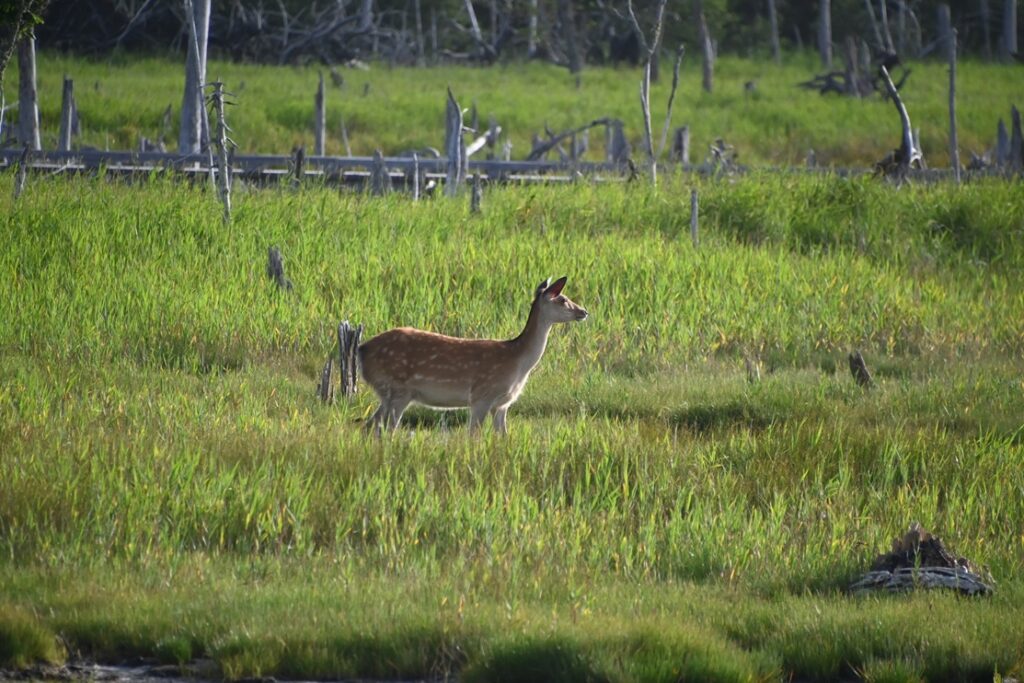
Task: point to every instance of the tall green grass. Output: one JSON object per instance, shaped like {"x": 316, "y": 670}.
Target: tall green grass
{"x": 170, "y": 486}
{"x": 398, "y": 109}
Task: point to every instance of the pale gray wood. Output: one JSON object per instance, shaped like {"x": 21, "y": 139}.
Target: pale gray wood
{"x": 825, "y": 32}
{"x": 28, "y": 103}
{"x": 681, "y": 145}
{"x": 531, "y": 33}
{"x": 708, "y": 54}
{"x": 415, "y": 177}
{"x": 773, "y": 23}
{"x": 344, "y": 137}
{"x": 348, "y": 355}
{"x": 325, "y": 390}
{"x": 1009, "y": 41}
{"x": 454, "y": 146}
{"x": 67, "y": 110}
{"x": 694, "y": 219}
{"x": 193, "y": 113}
{"x": 319, "y": 120}
{"x": 222, "y": 141}
{"x": 275, "y": 269}
{"x": 1002, "y": 145}
{"x": 380, "y": 179}
{"x": 475, "y": 195}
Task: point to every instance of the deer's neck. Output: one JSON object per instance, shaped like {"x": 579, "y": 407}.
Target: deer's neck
{"x": 532, "y": 341}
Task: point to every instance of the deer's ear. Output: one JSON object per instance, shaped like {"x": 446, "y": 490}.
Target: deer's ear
{"x": 541, "y": 287}
{"x": 556, "y": 288}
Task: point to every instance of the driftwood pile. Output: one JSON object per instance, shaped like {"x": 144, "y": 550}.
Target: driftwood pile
{"x": 1008, "y": 152}
{"x": 921, "y": 560}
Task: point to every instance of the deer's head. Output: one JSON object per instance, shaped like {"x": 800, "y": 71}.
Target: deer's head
{"x": 555, "y": 307}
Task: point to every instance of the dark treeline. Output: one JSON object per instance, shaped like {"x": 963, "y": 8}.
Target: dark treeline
{"x": 591, "y": 31}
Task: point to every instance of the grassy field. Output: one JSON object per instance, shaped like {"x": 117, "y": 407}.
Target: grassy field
{"x": 171, "y": 487}
{"x": 396, "y": 109}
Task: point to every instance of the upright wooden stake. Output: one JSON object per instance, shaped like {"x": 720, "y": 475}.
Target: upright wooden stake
{"x": 454, "y": 146}
{"x": 28, "y": 105}
{"x": 319, "y": 119}
{"x": 954, "y": 147}
{"x": 694, "y": 237}
{"x": 708, "y": 48}
{"x": 224, "y": 166}
{"x": 348, "y": 355}
{"x": 415, "y": 177}
{"x": 67, "y": 111}
{"x": 476, "y": 194}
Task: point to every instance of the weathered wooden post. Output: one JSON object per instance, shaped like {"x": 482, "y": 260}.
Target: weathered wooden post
{"x": 476, "y": 194}
{"x": 708, "y": 49}
{"x": 954, "y": 147}
{"x": 21, "y": 175}
{"x": 415, "y": 177}
{"x": 681, "y": 145}
{"x": 348, "y": 355}
{"x": 859, "y": 370}
{"x": 694, "y": 237}
{"x": 222, "y": 140}
{"x": 275, "y": 269}
{"x": 319, "y": 120}
{"x": 325, "y": 390}
{"x": 454, "y": 147}
{"x": 1009, "y": 41}
{"x": 825, "y": 32}
{"x": 298, "y": 165}
{"x": 67, "y": 116}
{"x": 380, "y": 179}
{"x": 28, "y": 104}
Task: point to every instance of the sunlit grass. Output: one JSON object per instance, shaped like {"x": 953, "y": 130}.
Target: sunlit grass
{"x": 171, "y": 487}
{"x": 399, "y": 109}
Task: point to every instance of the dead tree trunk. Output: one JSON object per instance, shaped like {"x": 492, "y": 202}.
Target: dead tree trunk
{"x": 454, "y": 146}
{"x": 531, "y": 31}
{"x": 348, "y": 355}
{"x": 954, "y": 147}
{"x": 708, "y": 53}
{"x": 986, "y": 29}
{"x": 223, "y": 162}
{"x": 859, "y": 370}
{"x": 883, "y": 16}
{"x": 67, "y": 116}
{"x": 825, "y": 32}
{"x": 28, "y": 105}
{"x": 567, "y": 18}
{"x": 773, "y": 22}
{"x": 319, "y": 120}
{"x": 193, "y": 113}
{"x": 421, "y": 59}
{"x": 1009, "y": 29}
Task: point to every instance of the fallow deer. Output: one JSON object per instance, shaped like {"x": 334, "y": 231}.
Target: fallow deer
{"x": 406, "y": 365}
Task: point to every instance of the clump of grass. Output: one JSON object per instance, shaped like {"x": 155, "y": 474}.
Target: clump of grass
{"x": 25, "y": 639}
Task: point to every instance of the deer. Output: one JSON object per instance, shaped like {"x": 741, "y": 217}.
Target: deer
{"x": 406, "y": 365}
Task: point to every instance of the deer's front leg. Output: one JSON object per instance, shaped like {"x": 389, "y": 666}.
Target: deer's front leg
{"x": 499, "y": 420}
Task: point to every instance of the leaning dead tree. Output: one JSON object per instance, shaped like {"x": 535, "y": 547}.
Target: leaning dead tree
{"x": 897, "y": 164}
{"x": 455, "y": 147}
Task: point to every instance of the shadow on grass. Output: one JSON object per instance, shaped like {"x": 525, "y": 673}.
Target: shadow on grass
{"x": 705, "y": 418}
{"x": 557, "y": 660}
